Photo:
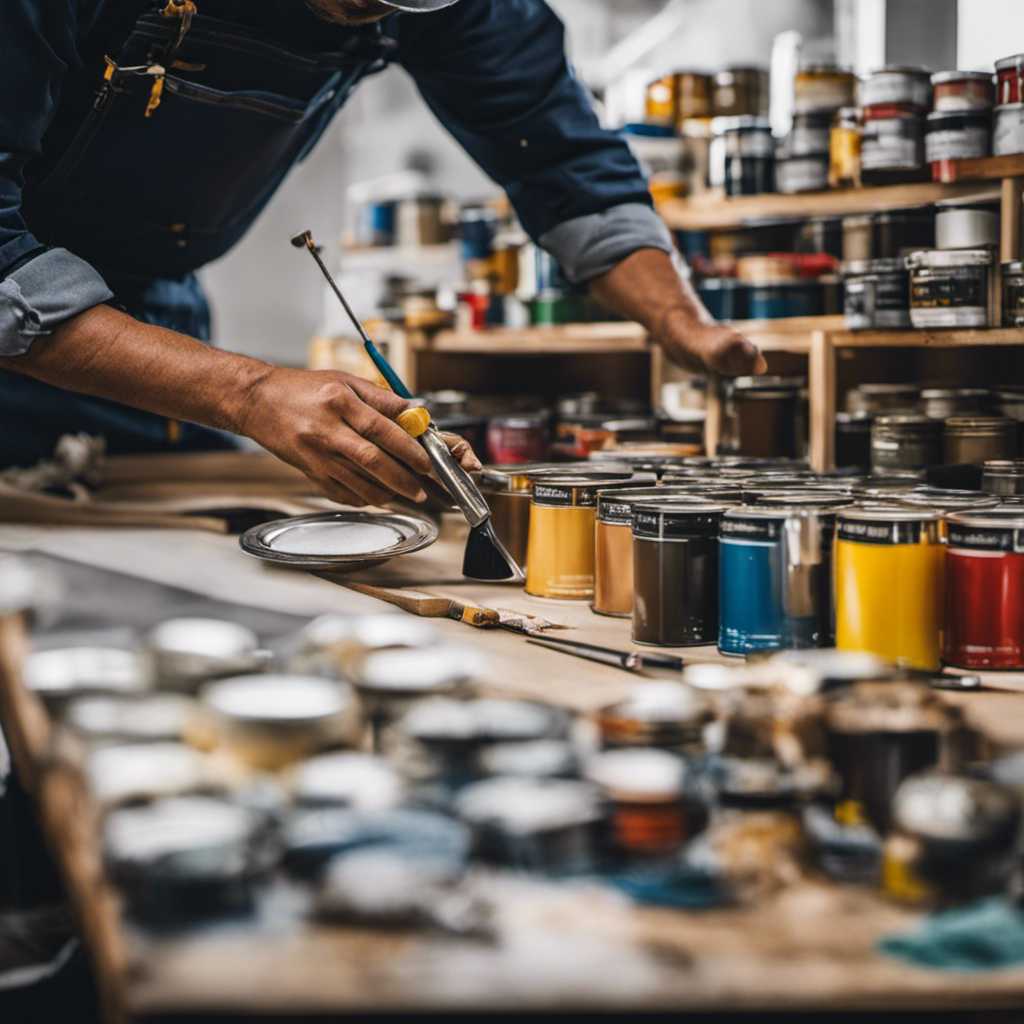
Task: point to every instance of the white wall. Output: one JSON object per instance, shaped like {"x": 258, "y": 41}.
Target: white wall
{"x": 267, "y": 296}
{"x": 988, "y": 30}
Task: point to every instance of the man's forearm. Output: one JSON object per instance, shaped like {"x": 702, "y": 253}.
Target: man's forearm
{"x": 647, "y": 287}
{"x": 109, "y": 354}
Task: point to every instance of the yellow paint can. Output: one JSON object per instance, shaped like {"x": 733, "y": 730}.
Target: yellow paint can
{"x": 889, "y": 584}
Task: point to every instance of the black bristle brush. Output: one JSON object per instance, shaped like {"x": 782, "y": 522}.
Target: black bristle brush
{"x": 486, "y": 557}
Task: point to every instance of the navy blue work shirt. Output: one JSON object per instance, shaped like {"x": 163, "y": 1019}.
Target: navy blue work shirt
{"x": 138, "y": 144}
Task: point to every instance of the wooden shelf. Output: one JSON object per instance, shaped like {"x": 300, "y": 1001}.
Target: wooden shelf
{"x": 991, "y": 168}
{"x": 719, "y": 213}
{"x": 928, "y": 339}
{"x": 540, "y": 341}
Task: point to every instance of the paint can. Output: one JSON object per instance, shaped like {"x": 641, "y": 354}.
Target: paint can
{"x": 560, "y": 553}
{"x": 889, "y": 584}
{"x": 775, "y": 578}
{"x": 985, "y": 590}
{"x": 879, "y": 733}
{"x": 897, "y": 84}
{"x": 1013, "y": 293}
{"x": 823, "y": 88}
{"x": 949, "y": 288}
{"x": 1003, "y": 476}
{"x": 1008, "y": 130}
{"x": 957, "y": 135}
{"x": 613, "y": 544}
{"x": 844, "y": 149}
{"x": 645, "y": 789}
{"x": 962, "y": 91}
{"x": 979, "y": 439}
{"x": 905, "y": 441}
{"x": 1010, "y": 80}
{"x": 740, "y": 91}
{"x": 675, "y": 573}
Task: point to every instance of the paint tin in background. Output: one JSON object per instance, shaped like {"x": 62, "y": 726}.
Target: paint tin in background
{"x": 897, "y": 84}
{"x": 979, "y": 439}
{"x": 809, "y": 134}
{"x": 880, "y": 733}
{"x": 883, "y": 397}
{"x": 941, "y": 403}
{"x": 905, "y": 441}
{"x": 805, "y": 173}
{"x": 876, "y": 295}
{"x": 748, "y": 152}
{"x": 666, "y": 714}
{"x": 823, "y": 88}
{"x": 966, "y": 225}
{"x": 891, "y": 144}
{"x": 534, "y": 824}
{"x": 518, "y": 437}
{"x": 844, "y": 149}
{"x": 1003, "y": 476}
{"x": 725, "y": 298}
{"x": 766, "y": 416}
{"x": 889, "y": 584}
{"x": 949, "y": 288}
{"x": 959, "y": 135}
{"x": 775, "y": 579}
{"x": 985, "y": 589}
{"x": 898, "y": 233}
{"x": 1010, "y": 79}
{"x": 739, "y": 91}
{"x": 853, "y": 438}
{"x": 1008, "y": 130}
{"x": 961, "y": 91}
{"x": 1013, "y": 293}
{"x": 675, "y": 573}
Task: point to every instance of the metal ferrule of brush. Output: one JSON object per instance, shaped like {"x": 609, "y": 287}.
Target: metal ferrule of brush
{"x": 456, "y": 480}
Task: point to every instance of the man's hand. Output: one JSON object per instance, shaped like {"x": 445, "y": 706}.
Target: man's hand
{"x": 337, "y": 428}
{"x": 340, "y": 430}
{"x": 646, "y": 287}
{"x": 712, "y": 346}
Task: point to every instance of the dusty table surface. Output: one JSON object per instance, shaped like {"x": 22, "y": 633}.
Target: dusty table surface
{"x": 579, "y": 945}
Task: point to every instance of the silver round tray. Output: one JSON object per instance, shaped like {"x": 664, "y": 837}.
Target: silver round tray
{"x": 416, "y": 534}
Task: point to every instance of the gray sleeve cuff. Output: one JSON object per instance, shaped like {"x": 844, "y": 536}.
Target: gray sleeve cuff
{"x": 589, "y": 246}
{"x": 42, "y": 294}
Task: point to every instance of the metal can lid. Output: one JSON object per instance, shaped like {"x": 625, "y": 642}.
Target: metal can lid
{"x": 944, "y": 258}
{"x": 616, "y": 507}
{"x": 938, "y": 807}
{"x": 873, "y": 514}
{"x": 521, "y": 806}
{"x": 1016, "y": 61}
{"x": 676, "y": 521}
{"x": 941, "y": 77}
{"x": 640, "y": 774}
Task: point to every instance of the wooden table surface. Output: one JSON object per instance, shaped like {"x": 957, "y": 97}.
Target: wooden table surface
{"x": 580, "y": 946}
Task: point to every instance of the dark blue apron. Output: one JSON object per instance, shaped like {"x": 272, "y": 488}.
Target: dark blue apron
{"x": 195, "y": 124}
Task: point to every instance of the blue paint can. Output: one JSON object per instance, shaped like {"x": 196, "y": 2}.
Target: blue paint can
{"x": 775, "y": 571}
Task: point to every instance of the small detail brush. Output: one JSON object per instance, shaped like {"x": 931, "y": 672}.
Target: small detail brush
{"x": 485, "y": 557}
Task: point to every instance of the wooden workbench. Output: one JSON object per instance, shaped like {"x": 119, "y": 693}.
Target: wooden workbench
{"x": 579, "y": 946}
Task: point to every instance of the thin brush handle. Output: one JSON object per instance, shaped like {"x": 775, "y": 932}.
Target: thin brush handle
{"x": 465, "y": 493}
{"x": 669, "y": 661}
{"x": 628, "y": 660}
{"x": 305, "y": 239}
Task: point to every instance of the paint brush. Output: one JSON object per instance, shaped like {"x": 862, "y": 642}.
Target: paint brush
{"x": 631, "y": 661}
{"x": 485, "y": 557}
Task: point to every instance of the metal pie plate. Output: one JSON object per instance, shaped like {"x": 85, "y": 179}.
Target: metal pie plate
{"x": 415, "y": 533}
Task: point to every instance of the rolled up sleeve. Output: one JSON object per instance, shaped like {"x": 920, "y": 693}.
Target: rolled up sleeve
{"x": 40, "y": 287}
{"x": 495, "y": 73}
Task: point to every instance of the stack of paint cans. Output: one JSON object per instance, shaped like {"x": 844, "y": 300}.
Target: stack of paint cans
{"x": 894, "y": 103}
{"x": 960, "y": 126}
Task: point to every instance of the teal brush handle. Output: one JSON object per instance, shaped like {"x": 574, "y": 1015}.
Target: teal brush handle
{"x": 394, "y": 381}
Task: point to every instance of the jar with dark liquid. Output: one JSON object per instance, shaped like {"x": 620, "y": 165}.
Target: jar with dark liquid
{"x": 675, "y": 573}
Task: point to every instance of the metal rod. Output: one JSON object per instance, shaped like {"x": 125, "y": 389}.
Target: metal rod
{"x": 305, "y": 239}
{"x": 628, "y": 660}
{"x": 643, "y": 658}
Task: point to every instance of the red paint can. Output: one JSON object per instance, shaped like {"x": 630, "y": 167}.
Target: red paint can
{"x": 985, "y": 589}
{"x": 1010, "y": 80}
{"x": 521, "y": 437}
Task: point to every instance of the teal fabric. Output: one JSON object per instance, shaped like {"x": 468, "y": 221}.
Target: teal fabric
{"x": 983, "y": 936}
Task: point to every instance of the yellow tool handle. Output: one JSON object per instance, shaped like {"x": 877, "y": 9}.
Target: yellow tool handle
{"x": 414, "y": 421}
